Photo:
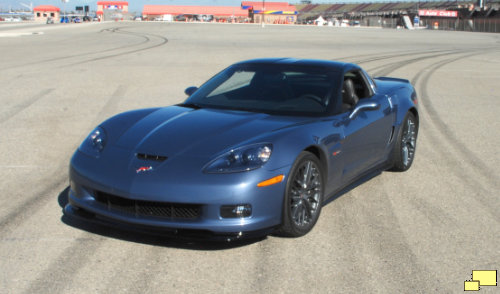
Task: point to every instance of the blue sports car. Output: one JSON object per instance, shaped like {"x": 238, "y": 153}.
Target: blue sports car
{"x": 256, "y": 149}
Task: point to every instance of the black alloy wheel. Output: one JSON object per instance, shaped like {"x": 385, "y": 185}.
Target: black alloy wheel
{"x": 406, "y": 144}
{"x": 303, "y": 196}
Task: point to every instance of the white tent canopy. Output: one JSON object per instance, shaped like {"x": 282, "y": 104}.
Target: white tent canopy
{"x": 320, "y": 21}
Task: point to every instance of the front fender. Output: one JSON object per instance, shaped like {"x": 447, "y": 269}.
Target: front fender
{"x": 320, "y": 138}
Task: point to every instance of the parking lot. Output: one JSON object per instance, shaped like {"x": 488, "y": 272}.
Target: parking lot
{"x": 422, "y": 231}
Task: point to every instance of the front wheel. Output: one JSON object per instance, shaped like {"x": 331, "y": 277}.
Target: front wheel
{"x": 303, "y": 196}
{"x": 405, "y": 146}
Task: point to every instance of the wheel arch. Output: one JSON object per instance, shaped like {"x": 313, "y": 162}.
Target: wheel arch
{"x": 321, "y": 155}
{"x": 415, "y": 113}
{"x": 405, "y": 101}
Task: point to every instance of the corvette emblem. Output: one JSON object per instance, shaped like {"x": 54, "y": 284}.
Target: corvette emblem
{"x": 144, "y": 169}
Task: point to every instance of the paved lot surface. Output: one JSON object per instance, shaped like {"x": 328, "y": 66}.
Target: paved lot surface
{"x": 422, "y": 231}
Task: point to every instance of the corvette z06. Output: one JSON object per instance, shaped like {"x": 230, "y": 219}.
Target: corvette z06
{"x": 258, "y": 148}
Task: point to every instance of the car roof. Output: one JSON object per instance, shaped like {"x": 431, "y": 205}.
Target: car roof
{"x": 330, "y": 64}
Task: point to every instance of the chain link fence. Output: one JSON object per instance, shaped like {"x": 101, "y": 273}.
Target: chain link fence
{"x": 485, "y": 25}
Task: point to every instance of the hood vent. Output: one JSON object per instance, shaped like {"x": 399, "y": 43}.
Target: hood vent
{"x": 144, "y": 156}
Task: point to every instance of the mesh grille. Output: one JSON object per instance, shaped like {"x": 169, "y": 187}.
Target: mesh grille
{"x": 148, "y": 208}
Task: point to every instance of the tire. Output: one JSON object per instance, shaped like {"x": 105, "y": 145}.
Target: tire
{"x": 303, "y": 196}
{"x": 403, "y": 153}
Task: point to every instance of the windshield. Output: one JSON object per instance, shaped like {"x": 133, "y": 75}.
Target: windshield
{"x": 270, "y": 88}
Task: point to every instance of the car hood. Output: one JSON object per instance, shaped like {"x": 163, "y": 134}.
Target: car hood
{"x": 175, "y": 130}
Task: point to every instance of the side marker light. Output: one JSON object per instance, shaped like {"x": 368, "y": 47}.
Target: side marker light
{"x": 271, "y": 181}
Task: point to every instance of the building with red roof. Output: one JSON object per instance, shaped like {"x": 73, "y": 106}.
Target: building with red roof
{"x": 269, "y": 7}
{"x": 276, "y": 12}
{"x": 150, "y": 10}
{"x": 112, "y": 9}
{"x": 271, "y": 12}
{"x": 43, "y": 12}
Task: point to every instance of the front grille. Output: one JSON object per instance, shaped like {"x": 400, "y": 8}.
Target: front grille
{"x": 148, "y": 208}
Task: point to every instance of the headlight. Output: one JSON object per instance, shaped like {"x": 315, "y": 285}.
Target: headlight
{"x": 241, "y": 159}
{"x": 94, "y": 143}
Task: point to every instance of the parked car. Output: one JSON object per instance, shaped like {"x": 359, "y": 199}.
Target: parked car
{"x": 12, "y": 19}
{"x": 259, "y": 148}
{"x": 203, "y": 17}
{"x": 181, "y": 17}
{"x": 354, "y": 23}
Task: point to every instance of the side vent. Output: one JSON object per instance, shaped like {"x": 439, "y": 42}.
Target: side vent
{"x": 144, "y": 156}
{"x": 392, "y": 136}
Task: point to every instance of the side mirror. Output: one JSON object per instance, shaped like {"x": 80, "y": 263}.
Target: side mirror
{"x": 189, "y": 91}
{"x": 363, "y": 106}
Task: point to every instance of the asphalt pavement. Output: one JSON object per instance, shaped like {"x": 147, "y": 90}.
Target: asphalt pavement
{"x": 422, "y": 231}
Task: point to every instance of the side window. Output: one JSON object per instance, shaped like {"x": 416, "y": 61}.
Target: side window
{"x": 354, "y": 88}
{"x": 361, "y": 88}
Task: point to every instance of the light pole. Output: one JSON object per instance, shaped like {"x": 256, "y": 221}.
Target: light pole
{"x": 64, "y": 14}
{"x": 263, "y": 12}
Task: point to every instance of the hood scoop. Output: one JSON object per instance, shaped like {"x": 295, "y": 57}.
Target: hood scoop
{"x": 151, "y": 157}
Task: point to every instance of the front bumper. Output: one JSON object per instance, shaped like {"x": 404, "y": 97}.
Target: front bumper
{"x": 209, "y": 192}
{"x": 186, "y": 234}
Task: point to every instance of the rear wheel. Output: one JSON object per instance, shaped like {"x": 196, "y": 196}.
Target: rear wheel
{"x": 303, "y": 196}
{"x": 405, "y": 146}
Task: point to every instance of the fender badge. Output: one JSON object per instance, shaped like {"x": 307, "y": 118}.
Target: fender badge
{"x": 144, "y": 169}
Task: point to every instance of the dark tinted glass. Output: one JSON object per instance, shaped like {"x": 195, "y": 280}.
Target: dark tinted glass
{"x": 270, "y": 88}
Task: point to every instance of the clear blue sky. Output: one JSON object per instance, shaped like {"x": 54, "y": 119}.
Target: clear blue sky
{"x": 134, "y": 5}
